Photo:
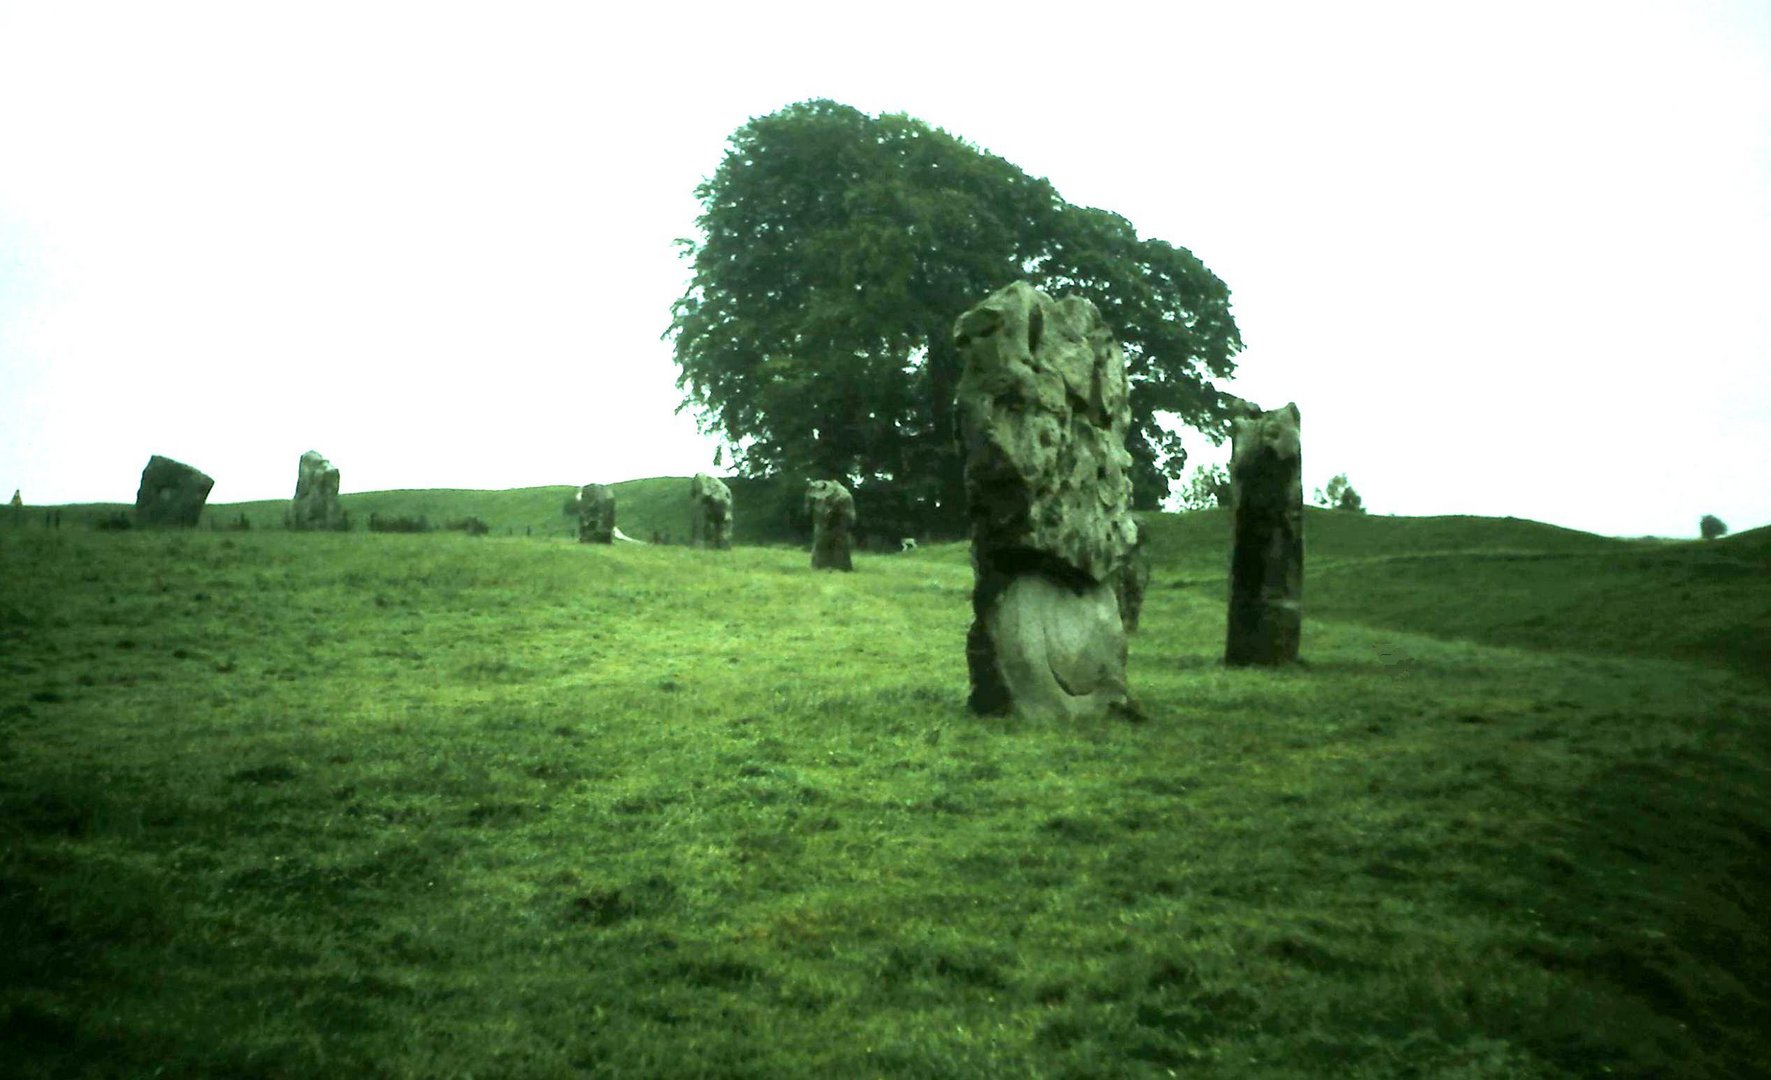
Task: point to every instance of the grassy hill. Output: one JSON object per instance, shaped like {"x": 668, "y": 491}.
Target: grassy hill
{"x": 643, "y": 507}
{"x": 1503, "y": 581}
{"x": 426, "y": 805}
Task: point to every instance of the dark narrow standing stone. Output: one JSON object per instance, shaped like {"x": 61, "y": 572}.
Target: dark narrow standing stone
{"x": 832, "y": 510}
{"x": 1134, "y": 581}
{"x": 596, "y": 514}
{"x": 710, "y": 512}
{"x": 1267, "y": 543}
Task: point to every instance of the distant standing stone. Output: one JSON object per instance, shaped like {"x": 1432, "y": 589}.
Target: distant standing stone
{"x": 171, "y": 493}
{"x": 832, "y": 510}
{"x": 315, "y": 505}
{"x": 710, "y": 512}
{"x": 1267, "y": 539}
{"x": 1043, "y": 413}
{"x": 1133, "y": 581}
{"x": 596, "y": 514}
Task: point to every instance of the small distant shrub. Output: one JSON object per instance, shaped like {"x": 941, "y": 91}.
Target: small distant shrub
{"x": 239, "y": 524}
{"x": 1339, "y": 495}
{"x": 472, "y": 526}
{"x": 1712, "y": 527}
{"x": 391, "y": 524}
{"x": 1208, "y": 487}
{"x": 114, "y": 522}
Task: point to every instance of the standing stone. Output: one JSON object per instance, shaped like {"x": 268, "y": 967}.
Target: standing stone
{"x": 832, "y": 510}
{"x": 1267, "y": 544}
{"x": 1043, "y": 412}
{"x": 1134, "y": 581}
{"x": 596, "y": 514}
{"x": 315, "y": 505}
{"x": 710, "y": 512}
{"x": 171, "y": 493}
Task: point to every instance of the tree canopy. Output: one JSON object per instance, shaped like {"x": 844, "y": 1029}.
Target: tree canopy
{"x": 837, "y": 250}
{"x": 1208, "y": 487}
{"x": 1339, "y": 495}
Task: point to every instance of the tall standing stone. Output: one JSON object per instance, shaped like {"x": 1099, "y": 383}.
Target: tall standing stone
{"x": 710, "y": 512}
{"x": 832, "y": 510}
{"x": 315, "y": 505}
{"x": 1043, "y": 413}
{"x": 1267, "y": 541}
{"x": 596, "y": 514}
{"x": 171, "y": 493}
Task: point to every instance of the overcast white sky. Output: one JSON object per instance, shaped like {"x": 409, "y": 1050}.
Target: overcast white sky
{"x": 1508, "y": 258}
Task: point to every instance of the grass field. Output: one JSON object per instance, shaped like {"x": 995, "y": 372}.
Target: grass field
{"x": 644, "y": 507}
{"x": 432, "y": 805}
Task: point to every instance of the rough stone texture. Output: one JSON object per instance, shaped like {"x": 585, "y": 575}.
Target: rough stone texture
{"x": 832, "y": 510}
{"x": 1267, "y": 543}
{"x": 710, "y": 512}
{"x": 171, "y": 493}
{"x": 1043, "y": 414}
{"x": 596, "y": 514}
{"x": 315, "y": 505}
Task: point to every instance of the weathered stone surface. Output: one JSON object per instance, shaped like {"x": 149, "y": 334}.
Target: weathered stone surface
{"x": 171, "y": 493}
{"x": 596, "y": 514}
{"x": 832, "y": 510}
{"x": 710, "y": 512}
{"x": 1267, "y": 538}
{"x": 315, "y": 505}
{"x": 1042, "y": 409}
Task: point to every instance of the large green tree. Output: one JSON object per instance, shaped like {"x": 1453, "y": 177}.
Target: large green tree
{"x": 836, "y": 251}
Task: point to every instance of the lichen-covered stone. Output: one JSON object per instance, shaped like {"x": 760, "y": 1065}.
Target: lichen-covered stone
{"x": 1267, "y": 538}
{"x": 710, "y": 512}
{"x": 1043, "y": 413}
{"x": 315, "y": 505}
{"x": 832, "y": 510}
{"x": 596, "y": 514}
{"x": 171, "y": 493}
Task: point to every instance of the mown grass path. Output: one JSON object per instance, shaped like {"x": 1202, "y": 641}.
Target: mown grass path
{"x": 320, "y": 805}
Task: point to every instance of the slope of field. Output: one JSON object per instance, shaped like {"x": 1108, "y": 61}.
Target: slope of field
{"x": 655, "y": 506}
{"x": 415, "y": 806}
{"x": 1502, "y": 581}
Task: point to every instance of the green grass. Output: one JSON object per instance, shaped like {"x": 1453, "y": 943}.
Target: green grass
{"x": 353, "y": 804}
{"x": 1514, "y": 583}
{"x": 643, "y": 507}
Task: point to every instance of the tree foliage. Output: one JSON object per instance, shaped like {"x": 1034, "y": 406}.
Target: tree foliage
{"x": 837, "y": 250}
{"x": 1712, "y": 527}
{"x": 1209, "y": 486}
{"x": 1339, "y": 495}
